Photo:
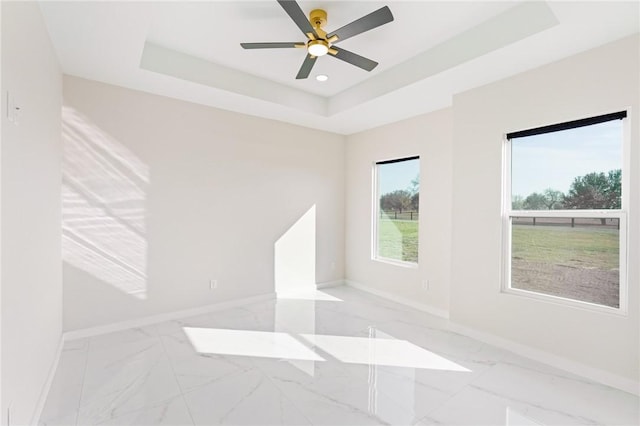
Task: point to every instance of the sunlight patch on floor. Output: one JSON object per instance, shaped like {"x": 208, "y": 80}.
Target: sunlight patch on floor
{"x": 348, "y": 349}
{"x": 265, "y": 344}
{"x": 309, "y": 295}
{"x": 377, "y": 351}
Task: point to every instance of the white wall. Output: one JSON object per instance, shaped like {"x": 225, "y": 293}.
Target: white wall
{"x": 461, "y": 166}
{"x": 160, "y": 195}
{"x": 595, "y": 82}
{"x": 30, "y": 179}
{"x": 428, "y": 136}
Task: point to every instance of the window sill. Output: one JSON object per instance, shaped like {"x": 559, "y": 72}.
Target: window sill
{"x": 557, "y": 300}
{"x": 394, "y": 262}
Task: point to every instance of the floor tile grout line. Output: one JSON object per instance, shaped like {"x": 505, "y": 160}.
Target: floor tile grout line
{"x": 175, "y": 377}
{"x": 355, "y": 409}
{"x": 270, "y": 379}
{"x": 294, "y": 334}
{"x": 84, "y": 376}
{"x": 255, "y": 367}
{"x": 453, "y": 395}
{"x": 268, "y": 376}
{"x": 137, "y": 341}
{"x": 362, "y": 330}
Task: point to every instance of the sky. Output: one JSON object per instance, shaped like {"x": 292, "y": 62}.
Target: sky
{"x": 553, "y": 160}
{"x": 394, "y": 176}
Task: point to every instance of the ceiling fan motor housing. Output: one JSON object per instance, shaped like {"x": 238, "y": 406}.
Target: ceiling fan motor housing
{"x": 318, "y": 18}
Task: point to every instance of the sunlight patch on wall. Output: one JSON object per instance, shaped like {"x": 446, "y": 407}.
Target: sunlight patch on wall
{"x": 295, "y": 256}
{"x": 103, "y": 206}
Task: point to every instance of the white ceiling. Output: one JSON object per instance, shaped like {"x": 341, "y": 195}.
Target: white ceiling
{"x": 432, "y": 50}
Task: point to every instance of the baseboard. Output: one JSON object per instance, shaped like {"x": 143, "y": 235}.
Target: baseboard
{"x": 403, "y": 301}
{"x": 579, "y": 369}
{"x": 47, "y": 384}
{"x": 591, "y": 373}
{"x": 154, "y": 319}
{"x": 329, "y": 284}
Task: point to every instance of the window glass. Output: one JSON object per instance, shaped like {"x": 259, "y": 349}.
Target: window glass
{"x": 578, "y": 168}
{"x": 397, "y": 216}
{"x": 566, "y": 218}
{"x": 574, "y": 258}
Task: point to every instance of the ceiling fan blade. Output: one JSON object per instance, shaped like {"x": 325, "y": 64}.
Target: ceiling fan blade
{"x": 353, "y": 59}
{"x": 267, "y": 45}
{"x": 297, "y": 15}
{"x": 374, "y": 19}
{"x": 306, "y": 67}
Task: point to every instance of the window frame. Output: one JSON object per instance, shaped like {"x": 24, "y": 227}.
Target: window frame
{"x": 621, "y": 214}
{"x": 375, "y": 209}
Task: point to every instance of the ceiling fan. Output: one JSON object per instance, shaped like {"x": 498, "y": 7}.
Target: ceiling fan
{"x": 320, "y": 42}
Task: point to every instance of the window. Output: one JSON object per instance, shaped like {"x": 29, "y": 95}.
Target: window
{"x": 565, "y": 218}
{"x": 396, "y": 210}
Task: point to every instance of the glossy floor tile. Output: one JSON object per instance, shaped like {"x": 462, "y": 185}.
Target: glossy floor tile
{"x": 336, "y": 357}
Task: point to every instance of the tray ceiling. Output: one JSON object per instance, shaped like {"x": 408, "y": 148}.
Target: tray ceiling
{"x": 432, "y": 50}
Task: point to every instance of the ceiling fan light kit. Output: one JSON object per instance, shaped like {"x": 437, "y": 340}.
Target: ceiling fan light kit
{"x": 318, "y": 47}
{"x": 320, "y": 42}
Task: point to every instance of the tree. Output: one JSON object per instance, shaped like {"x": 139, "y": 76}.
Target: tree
{"x": 414, "y": 190}
{"x": 517, "y": 202}
{"x": 550, "y": 199}
{"x": 415, "y": 185}
{"x": 535, "y": 201}
{"x": 614, "y": 190}
{"x": 553, "y": 199}
{"x": 398, "y": 200}
{"x": 595, "y": 191}
{"x": 415, "y": 201}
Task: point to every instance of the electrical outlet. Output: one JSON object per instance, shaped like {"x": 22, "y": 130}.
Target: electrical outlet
{"x": 13, "y": 110}
{"x": 213, "y": 284}
{"x": 425, "y": 285}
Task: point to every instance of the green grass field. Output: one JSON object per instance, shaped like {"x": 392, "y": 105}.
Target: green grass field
{"x": 574, "y": 263}
{"x": 577, "y": 247}
{"x": 398, "y": 239}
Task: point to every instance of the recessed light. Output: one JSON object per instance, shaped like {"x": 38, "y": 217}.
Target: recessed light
{"x": 322, "y": 77}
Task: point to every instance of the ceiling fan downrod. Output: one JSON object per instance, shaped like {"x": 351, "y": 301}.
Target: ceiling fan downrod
{"x": 318, "y": 44}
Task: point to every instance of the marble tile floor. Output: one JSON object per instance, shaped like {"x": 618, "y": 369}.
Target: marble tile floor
{"x": 337, "y": 357}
